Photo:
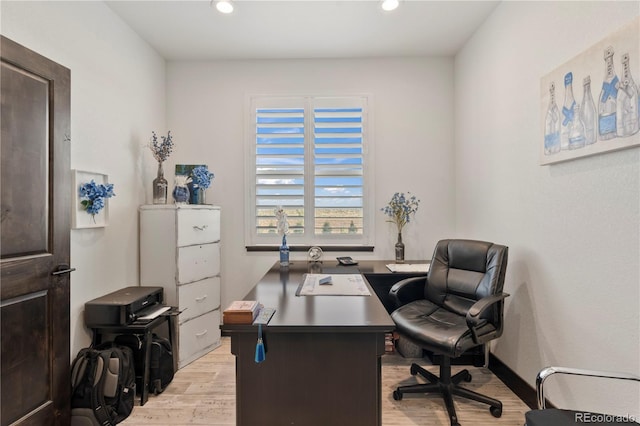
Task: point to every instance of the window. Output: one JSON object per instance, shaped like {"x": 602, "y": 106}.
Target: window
{"x": 309, "y": 155}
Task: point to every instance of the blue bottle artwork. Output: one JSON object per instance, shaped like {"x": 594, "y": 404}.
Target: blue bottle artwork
{"x": 599, "y": 109}
{"x": 588, "y": 113}
{"x": 552, "y": 124}
{"x": 568, "y": 111}
{"x": 627, "y": 122}
{"x": 608, "y": 97}
{"x": 576, "y": 131}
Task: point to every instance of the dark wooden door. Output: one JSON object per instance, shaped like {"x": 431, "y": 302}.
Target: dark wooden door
{"x": 35, "y": 204}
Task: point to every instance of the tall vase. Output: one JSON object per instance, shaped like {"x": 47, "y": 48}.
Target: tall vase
{"x": 399, "y": 249}
{"x": 284, "y": 252}
{"x": 160, "y": 186}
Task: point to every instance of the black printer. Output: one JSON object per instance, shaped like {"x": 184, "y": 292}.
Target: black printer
{"x": 125, "y": 306}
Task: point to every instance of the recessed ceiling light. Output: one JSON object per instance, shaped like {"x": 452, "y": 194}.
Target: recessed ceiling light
{"x": 224, "y": 6}
{"x": 390, "y": 5}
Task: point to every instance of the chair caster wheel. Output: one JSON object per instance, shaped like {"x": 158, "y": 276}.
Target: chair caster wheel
{"x": 468, "y": 377}
{"x": 414, "y": 369}
{"x": 496, "y": 411}
{"x": 397, "y": 395}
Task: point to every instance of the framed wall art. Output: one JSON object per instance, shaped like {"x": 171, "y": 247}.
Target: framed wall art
{"x": 590, "y": 104}
{"x": 90, "y": 197}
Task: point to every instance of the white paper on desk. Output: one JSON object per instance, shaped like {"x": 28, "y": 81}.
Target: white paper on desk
{"x": 155, "y": 314}
{"x": 408, "y": 267}
{"x": 341, "y": 285}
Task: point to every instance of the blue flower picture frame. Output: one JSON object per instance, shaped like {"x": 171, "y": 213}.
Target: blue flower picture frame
{"x": 81, "y": 218}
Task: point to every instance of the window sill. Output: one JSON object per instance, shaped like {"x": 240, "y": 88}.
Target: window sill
{"x": 304, "y": 248}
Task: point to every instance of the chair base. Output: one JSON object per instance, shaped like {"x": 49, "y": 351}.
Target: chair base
{"x": 447, "y": 386}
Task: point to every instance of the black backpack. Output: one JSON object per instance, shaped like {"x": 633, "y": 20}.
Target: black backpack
{"x": 161, "y": 368}
{"x": 103, "y": 385}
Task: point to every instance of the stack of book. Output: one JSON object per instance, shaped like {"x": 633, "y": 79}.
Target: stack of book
{"x": 389, "y": 342}
{"x": 241, "y": 312}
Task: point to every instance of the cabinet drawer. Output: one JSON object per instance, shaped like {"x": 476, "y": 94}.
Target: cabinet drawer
{"x": 198, "y": 226}
{"x": 198, "y": 262}
{"x": 198, "y": 336}
{"x": 198, "y": 298}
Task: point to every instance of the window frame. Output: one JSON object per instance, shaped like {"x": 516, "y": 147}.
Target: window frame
{"x": 348, "y": 242}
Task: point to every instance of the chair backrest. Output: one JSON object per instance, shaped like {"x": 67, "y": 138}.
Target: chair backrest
{"x": 464, "y": 271}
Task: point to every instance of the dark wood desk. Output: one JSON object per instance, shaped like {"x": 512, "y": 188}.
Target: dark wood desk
{"x": 322, "y": 363}
{"x": 382, "y": 279}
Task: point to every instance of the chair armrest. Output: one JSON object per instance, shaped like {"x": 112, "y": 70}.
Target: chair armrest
{"x": 549, "y": 371}
{"x": 407, "y": 290}
{"x": 477, "y": 309}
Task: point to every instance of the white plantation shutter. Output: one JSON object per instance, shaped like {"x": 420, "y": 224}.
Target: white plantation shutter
{"x": 338, "y": 170}
{"x": 308, "y": 155}
{"x": 279, "y": 167}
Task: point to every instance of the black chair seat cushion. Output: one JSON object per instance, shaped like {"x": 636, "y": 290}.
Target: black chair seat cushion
{"x": 435, "y": 328}
{"x": 556, "y": 417}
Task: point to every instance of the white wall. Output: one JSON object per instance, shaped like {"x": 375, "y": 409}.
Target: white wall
{"x": 117, "y": 99}
{"x": 573, "y": 228}
{"x": 412, "y": 125}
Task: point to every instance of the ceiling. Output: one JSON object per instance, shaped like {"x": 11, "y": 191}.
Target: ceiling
{"x": 266, "y": 29}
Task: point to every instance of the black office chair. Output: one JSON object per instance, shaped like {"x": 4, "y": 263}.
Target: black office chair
{"x": 457, "y": 307}
{"x": 544, "y": 416}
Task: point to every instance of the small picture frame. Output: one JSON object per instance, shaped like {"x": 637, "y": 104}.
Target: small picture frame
{"x": 185, "y": 169}
{"x": 80, "y": 217}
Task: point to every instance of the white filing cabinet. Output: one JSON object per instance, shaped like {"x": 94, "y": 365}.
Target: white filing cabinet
{"x": 180, "y": 251}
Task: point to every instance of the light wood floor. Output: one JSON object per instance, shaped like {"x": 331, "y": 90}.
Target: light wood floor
{"x": 203, "y": 393}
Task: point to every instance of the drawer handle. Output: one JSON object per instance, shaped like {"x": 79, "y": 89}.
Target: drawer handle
{"x": 200, "y": 299}
{"x": 202, "y": 333}
{"x": 200, "y": 228}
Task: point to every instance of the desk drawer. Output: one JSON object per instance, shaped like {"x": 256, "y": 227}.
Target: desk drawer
{"x": 198, "y": 336}
{"x": 198, "y": 226}
{"x": 198, "y": 262}
{"x": 198, "y": 298}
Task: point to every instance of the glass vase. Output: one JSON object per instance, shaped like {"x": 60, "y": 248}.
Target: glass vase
{"x": 160, "y": 186}
{"x": 181, "y": 194}
{"x": 284, "y": 252}
{"x": 197, "y": 194}
{"x": 399, "y": 249}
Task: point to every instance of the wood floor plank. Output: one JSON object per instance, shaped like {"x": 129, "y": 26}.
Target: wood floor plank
{"x": 203, "y": 393}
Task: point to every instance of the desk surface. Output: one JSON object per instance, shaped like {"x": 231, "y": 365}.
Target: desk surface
{"x": 277, "y": 289}
{"x": 322, "y": 365}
